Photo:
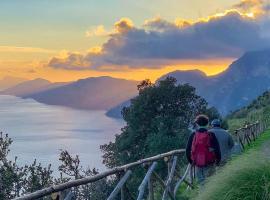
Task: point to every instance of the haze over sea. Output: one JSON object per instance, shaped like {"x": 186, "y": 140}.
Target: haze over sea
{"x": 40, "y": 131}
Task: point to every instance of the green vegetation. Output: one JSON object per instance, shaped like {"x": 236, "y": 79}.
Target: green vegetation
{"x": 245, "y": 177}
{"x": 259, "y": 109}
{"x": 17, "y": 180}
{"x": 157, "y": 121}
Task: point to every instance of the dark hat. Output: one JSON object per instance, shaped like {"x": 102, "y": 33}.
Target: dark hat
{"x": 216, "y": 122}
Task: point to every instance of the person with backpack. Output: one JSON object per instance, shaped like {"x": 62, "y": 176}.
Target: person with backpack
{"x": 203, "y": 149}
{"x": 225, "y": 140}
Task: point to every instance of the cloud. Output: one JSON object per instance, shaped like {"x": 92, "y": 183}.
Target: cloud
{"x": 122, "y": 26}
{"x": 70, "y": 62}
{"x": 257, "y": 7}
{"x": 160, "y": 42}
{"x": 15, "y": 49}
{"x": 98, "y": 31}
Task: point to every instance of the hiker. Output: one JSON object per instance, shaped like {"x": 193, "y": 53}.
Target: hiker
{"x": 225, "y": 140}
{"x": 203, "y": 150}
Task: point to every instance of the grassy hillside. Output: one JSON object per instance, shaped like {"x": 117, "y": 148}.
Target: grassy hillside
{"x": 259, "y": 109}
{"x": 245, "y": 177}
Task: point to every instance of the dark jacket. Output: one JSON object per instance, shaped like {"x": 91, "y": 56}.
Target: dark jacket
{"x": 225, "y": 141}
{"x": 215, "y": 145}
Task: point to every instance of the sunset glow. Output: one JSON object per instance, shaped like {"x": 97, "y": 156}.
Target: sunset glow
{"x": 62, "y": 51}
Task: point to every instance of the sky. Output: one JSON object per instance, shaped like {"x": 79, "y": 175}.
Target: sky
{"x": 66, "y": 40}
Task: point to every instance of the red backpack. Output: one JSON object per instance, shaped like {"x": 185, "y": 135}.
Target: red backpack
{"x": 202, "y": 152}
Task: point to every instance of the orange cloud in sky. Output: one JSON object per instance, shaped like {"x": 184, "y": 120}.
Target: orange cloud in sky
{"x": 121, "y": 26}
{"x": 36, "y": 69}
{"x": 74, "y": 65}
{"x": 97, "y": 31}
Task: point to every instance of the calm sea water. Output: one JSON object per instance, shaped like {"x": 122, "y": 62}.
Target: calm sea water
{"x": 40, "y": 131}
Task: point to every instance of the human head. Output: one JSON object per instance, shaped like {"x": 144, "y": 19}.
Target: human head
{"x": 202, "y": 120}
{"x": 216, "y": 123}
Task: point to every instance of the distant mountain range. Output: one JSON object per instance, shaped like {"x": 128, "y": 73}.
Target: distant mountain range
{"x": 28, "y": 88}
{"x": 101, "y": 93}
{"x": 10, "y": 81}
{"x": 243, "y": 81}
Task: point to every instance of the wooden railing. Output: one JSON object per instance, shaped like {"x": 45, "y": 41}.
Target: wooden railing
{"x": 170, "y": 158}
{"x": 244, "y": 136}
{"x": 250, "y": 132}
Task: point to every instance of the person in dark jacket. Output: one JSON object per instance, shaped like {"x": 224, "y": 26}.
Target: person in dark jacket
{"x": 202, "y": 172}
{"x": 225, "y": 140}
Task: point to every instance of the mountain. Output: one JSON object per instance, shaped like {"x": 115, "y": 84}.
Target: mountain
{"x": 244, "y": 80}
{"x": 258, "y": 109}
{"x": 116, "y": 112}
{"x": 99, "y": 93}
{"x": 30, "y": 87}
{"x": 196, "y": 78}
{"x": 10, "y": 81}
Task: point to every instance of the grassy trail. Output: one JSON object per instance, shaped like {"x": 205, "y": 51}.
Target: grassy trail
{"x": 246, "y": 177}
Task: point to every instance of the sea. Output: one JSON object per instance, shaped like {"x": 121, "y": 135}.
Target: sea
{"x": 41, "y": 131}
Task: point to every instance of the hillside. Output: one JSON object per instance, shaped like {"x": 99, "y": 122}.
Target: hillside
{"x": 116, "y": 112}
{"x": 256, "y": 110}
{"x": 10, "y": 81}
{"x": 29, "y": 87}
{"x": 244, "y": 80}
{"x": 196, "y": 78}
{"x": 251, "y": 178}
{"x": 99, "y": 93}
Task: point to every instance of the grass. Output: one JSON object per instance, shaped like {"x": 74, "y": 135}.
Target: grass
{"x": 246, "y": 177}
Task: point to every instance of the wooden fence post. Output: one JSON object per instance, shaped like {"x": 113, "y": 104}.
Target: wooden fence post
{"x": 145, "y": 180}
{"x": 119, "y": 185}
{"x": 163, "y": 185}
{"x": 182, "y": 179}
{"x": 170, "y": 177}
{"x": 151, "y": 189}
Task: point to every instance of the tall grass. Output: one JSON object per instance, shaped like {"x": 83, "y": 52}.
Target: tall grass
{"x": 245, "y": 177}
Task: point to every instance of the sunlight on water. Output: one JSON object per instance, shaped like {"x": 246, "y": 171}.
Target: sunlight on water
{"x": 39, "y": 131}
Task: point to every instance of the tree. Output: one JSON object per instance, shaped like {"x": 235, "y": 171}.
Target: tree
{"x": 16, "y": 181}
{"x": 156, "y": 121}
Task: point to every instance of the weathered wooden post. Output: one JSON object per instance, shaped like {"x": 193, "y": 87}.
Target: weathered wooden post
{"x": 253, "y": 131}
{"x": 170, "y": 178}
{"x": 145, "y": 180}
{"x": 248, "y": 133}
{"x": 151, "y": 189}
{"x": 182, "y": 179}
{"x": 239, "y": 137}
{"x": 163, "y": 185}
{"x": 120, "y": 185}
{"x": 122, "y": 193}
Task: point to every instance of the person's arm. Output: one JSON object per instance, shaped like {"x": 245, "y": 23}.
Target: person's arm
{"x": 216, "y": 147}
{"x": 188, "y": 148}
